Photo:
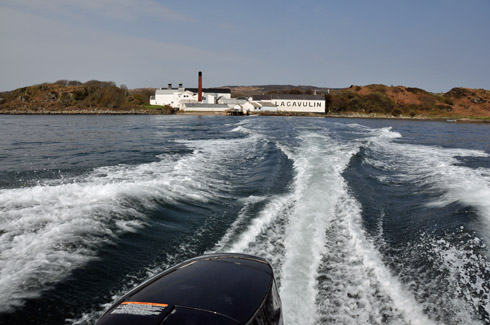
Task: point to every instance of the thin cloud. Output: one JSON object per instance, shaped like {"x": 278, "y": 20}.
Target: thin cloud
{"x": 117, "y": 9}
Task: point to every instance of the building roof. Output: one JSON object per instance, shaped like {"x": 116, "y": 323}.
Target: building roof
{"x": 269, "y": 104}
{"x": 167, "y": 91}
{"x": 211, "y": 90}
{"x": 288, "y": 97}
{"x": 233, "y": 101}
{"x": 254, "y": 104}
{"x": 205, "y": 105}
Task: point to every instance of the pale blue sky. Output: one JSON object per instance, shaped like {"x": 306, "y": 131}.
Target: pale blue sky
{"x": 435, "y": 45}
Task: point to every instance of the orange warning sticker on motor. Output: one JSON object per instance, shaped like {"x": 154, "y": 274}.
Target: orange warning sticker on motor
{"x": 139, "y": 308}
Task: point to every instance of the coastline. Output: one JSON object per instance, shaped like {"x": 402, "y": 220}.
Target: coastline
{"x": 288, "y": 114}
{"x": 84, "y": 112}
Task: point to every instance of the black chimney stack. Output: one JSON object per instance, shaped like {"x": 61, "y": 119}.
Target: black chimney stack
{"x": 199, "y": 94}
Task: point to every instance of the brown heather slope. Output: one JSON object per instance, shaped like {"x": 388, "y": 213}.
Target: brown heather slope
{"x": 411, "y": 102}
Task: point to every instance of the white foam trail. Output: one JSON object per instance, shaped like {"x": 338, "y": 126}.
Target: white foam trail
{"x": 359, "y": 287}
{"x": 386, "y": 133}
{"x": 321, "y": 199}
{"x": 212, "y": 165}
{"x": 49, "y": 230}
{"x": 437, "y": 170}
{"x": 260, "y": 234}
{"x": 238, "y": 224}
{"x": 318, "y": 164}
{"x": 290, "y": 231}
{"x": 265, "y": 217}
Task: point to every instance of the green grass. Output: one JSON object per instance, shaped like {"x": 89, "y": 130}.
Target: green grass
{"x": 148, "y": 106}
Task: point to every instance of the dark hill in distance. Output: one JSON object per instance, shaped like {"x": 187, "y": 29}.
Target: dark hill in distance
{"x": 245, "y": 91}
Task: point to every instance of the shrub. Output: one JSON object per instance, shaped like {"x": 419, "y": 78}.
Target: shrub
{"x": 427, "y": 101}
{"x": 354, "y": 104}
{"x": 396, "y": 112}
{"x": 378, "y": 88}
{"x": 328, "y": 100}
{"x": 457, "y": 93}
{"x": 377, "y": 102}
{"x": 446, "y": 108}
{"x": 74, "y": 83}
{"x": 396, "y": 90}
{"x": 448, "y": 100}
{"x": 111, "y": 97}
{"x": 80, "y": 94}
{"x": 341, "y": 101}
{"x": 66, "y": 99}
{"x": 416, "y": 90}
{"x": 138, "y": 99}
{"x": 143, "y": 95}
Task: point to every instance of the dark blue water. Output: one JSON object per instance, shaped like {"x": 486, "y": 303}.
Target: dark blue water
{"x": 364, "y": 221}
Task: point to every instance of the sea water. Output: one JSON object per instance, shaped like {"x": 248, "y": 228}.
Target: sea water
{"x": 364, "y": 221}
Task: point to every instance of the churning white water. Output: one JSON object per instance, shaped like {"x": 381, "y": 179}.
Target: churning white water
{"x": 301, "y": 223}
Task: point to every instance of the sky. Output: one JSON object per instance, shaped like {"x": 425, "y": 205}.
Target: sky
{"x": 431, "y": 44}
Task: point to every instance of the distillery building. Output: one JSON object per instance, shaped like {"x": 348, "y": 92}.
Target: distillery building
{"x": 184, "y": 98}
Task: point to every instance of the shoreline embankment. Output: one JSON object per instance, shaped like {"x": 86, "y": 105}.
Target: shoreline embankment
{"x": 268, "y": 114}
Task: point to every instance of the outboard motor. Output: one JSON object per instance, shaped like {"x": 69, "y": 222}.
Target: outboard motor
{"x": 221, "y": 288}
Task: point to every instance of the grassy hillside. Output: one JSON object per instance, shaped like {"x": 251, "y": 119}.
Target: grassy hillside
{"x": 74, "y": 96}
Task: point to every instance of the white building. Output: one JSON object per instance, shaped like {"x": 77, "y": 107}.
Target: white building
{"x": 251, "y": 106}
{"x": 294, "y": 103}
{"x": 176, "y": 97}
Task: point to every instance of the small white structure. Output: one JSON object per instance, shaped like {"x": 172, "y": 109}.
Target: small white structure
{"x": 171, "y": 96}
{"x": 251, "y": 106}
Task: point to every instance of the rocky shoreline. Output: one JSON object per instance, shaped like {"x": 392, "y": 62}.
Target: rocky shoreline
{"x": 87, "y": 112}
{"x": 271, "y": 114}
